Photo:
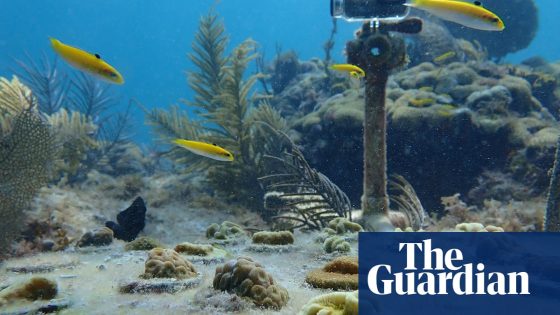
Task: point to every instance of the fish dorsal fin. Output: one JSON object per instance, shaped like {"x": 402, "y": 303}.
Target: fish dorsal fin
{"x": 97, "y": 56}
{"x": 477, "y": 3}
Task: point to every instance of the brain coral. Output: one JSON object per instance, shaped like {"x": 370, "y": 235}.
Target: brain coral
{"x": 339, "y": 274}
{"x": 167, "y": 263}
{"x": 247, "y": 278}
{"x": 335, "y": 303}
{"x": 273, "y": 238}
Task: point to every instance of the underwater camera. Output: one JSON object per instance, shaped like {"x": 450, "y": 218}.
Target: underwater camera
{"x": 359, "y": 10}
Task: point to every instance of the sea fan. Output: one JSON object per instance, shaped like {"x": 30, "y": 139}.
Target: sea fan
{"x": 404, "y": 200}
{"x": 26, "y": 152}
{"x": 298, "y": 194}
{"x": 48, "y": 83}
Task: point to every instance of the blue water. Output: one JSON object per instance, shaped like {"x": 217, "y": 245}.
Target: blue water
{"x": 147, "y": 41}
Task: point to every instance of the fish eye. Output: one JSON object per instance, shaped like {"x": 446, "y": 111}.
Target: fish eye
{"x": 495, "y": 20}
{"x": 227, "y": 154}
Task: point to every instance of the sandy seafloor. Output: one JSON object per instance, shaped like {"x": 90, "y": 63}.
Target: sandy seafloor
{"x": 92, "y": 289}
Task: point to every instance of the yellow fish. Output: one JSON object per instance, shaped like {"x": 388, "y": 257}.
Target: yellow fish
{"x": 471, "y": 15}
{"x": 441, "y": 59}
{"x": 353, "y": 70}
{"x": 205, "y": 149}
{"x": 87, "y": 62}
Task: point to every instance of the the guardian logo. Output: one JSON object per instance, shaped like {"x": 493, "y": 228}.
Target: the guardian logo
{"x": 433, "y": 271}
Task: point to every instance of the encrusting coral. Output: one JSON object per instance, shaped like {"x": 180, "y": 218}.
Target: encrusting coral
{"x": 143, "y": 243}
{"x": 247, "y": 278}
{"x": 273, "y": 238}
{"x": 477, "y": 227}
{"x": 339, "y": 274}
{"x": 226, "y": 230}
{"x": 335, "y": 303}
{"x": 98, "y": 237}
{"x": 36, "y": 288}
{"x": 167, "y": 263}
{"x": 343, "y": 226}
{"x": 194, "y": 249}
{"x": 336, "y": 243}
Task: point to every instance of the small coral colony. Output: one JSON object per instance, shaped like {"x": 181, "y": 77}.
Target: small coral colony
{"x": 239, "y": 210}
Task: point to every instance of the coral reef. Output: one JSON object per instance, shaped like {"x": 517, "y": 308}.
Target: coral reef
{"x": 249, "y": 279}
{"x": 167, "y": 263}
{"x": 482, "y": 116}
{"x": 273, "y": 238}
{"x": 335, "y": 303}
{"x": 72, "y": 103}
{"x": 98, "y": 237}
{"x": 143, "y": 243}
{"x": 226, "y": 230}
{"x": 492, "y": 216}
{"x": 339, "y": 274}
{"x": 194, "y": 249}
{"x": 42, "y": 235}
{"x": 36, "y": 288}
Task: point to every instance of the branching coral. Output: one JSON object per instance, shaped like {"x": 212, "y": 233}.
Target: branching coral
{"x": 226, "y": 115}
{"x": 26, "y": 151}
{"x": 273, "y": 238}
{"x": 74, "y": 135}
{"x": 70, "y": 102}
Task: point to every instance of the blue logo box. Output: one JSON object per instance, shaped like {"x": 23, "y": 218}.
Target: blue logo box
{"x": 459, "y": 273}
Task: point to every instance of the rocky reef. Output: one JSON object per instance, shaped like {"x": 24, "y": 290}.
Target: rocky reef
{"x": 447, "y": 125}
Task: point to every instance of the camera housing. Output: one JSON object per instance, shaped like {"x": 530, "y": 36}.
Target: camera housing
{"x": 360, "y": 10}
